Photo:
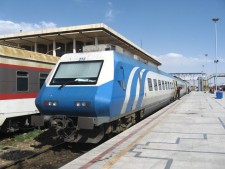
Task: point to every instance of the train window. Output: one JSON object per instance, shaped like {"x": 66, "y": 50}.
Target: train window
{"x": 22, "y": 81}
{"x": 166, "y": 87}
{"x": 163, "y": 86}
{"x": 42, "y": 77}
{"x": 172, "y": 84}
{"x": 160, "y": 85}
{"x": 155, "y": 84}
{"x": 150, "y": 84}
{"x": 169, "y": 87}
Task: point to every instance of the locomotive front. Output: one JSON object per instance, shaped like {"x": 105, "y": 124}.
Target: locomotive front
{"x": 77, "y": 95}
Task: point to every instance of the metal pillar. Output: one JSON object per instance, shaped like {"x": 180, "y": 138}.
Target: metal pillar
{"x": 74, "y": 45}
{"x": 35, "y": 47}
{"x": 96, "y": 40}
{"x": 54, "y": 46}
{"x": 216, "y": 60}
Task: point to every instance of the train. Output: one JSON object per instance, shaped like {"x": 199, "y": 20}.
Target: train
{"x": 96, "y": 94}
{"x": 22, "y": 73}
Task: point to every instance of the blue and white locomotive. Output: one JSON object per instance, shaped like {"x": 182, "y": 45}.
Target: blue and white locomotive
{"x": 90, "y": 95}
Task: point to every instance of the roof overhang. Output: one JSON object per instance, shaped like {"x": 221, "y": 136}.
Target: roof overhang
{"x": 83, "y": 33}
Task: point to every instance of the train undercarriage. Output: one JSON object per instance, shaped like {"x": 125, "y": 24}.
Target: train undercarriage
{"x": 83, "y": 130}
{"x": 15, "y": 124}
{"x": 23, "y": 123}
{"x": 70, "y": 130}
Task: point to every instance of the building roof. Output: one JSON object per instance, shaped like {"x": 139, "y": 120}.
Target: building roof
{"x": 19, "y": 54}
{"x": 83, "y": 33}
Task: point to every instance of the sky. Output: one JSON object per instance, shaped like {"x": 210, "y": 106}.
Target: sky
{"x": 179, "y": 33}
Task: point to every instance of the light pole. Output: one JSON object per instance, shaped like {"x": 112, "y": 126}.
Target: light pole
{"x": 216, "y": 60}
{"x": 206, "y": 81}
{"x": 206, "y": 63}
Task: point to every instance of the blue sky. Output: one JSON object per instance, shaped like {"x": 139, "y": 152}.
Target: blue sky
{"x": 178, "y": 32}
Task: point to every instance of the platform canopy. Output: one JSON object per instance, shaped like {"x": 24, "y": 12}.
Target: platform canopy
{"x": 86, "y": 34}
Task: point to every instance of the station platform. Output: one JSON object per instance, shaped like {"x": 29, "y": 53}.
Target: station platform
{"x": 189, "y": 133}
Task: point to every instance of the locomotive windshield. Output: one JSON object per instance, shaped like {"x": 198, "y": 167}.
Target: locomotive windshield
{"x": 77, "y": 73}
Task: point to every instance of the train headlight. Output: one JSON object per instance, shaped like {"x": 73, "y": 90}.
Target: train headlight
{"x": 46, "y": 103}
{"x": 54, "y": 103}
{"x": 77, "y": 104}
{"x": 82, "y": 104}
{"x": 50, "y": 103}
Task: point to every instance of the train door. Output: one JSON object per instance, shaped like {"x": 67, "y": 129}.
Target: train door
{"x": 121, "y": 77}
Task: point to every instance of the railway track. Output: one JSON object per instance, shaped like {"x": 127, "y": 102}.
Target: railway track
{"x": 37, "y": 151}
{"x": 53, "y": 157}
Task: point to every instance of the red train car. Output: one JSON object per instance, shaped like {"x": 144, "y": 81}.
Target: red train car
{"x": 22, "y": 74}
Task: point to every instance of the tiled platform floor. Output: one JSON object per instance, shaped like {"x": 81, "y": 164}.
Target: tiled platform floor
{"x": 189, "y": 133}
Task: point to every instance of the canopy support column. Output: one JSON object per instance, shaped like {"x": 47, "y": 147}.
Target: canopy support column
{"x": 74, "y": 45}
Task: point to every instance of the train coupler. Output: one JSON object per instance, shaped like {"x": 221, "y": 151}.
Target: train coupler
{"x": 64, "y": 127}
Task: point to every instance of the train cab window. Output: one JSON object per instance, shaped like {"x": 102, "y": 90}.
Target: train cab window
{"x": 77, "y": 73}
{"x": 163, "y": 85}
{"x": 42, "y": 78}
{"x": 22, "y": 81}
{"x": 160, "y": 84}
{"x": 150, "y": 84}
{"x": 155, "y": 84}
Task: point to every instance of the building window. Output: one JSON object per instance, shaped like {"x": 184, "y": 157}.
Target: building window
{"x": 22, "y": 81}
{"x": 155, "y": 84}
{"x": 42, "y": 78}
{"x": 150, "y": 84}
